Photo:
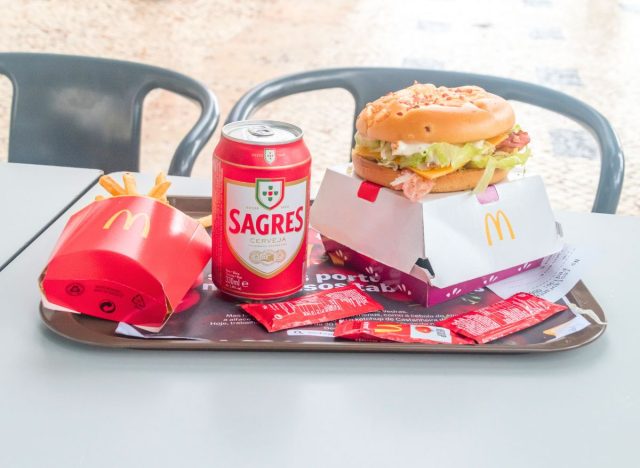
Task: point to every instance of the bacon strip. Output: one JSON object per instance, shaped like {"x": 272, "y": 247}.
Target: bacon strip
{"x": 414, "y": 187}
{"x": 515, "y": 141}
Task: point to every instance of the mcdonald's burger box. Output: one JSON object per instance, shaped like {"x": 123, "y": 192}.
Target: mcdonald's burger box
{"x": 128, "y": 258}
{"x": 444, "y": 246}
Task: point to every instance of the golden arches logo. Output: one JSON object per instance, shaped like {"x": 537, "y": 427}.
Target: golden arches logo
{"x": 497, "y": 224}
{"x": 388, "y": 328}
{"x": 129, "y": 220}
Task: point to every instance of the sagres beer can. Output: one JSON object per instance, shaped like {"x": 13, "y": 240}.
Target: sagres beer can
{"x": 260, "y": 207}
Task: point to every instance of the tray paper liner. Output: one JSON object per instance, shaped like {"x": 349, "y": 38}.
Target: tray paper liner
{"x": 208, "y": 315}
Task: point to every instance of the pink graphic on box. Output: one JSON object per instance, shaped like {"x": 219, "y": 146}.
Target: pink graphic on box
{"x": 404, "y": 287}
{"x": 398, "y": 286}
{"x": 437, "y": 295}
{"x": 490, "y": 195}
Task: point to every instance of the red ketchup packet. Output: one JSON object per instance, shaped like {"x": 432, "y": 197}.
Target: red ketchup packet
{"x": 324, "y": 306}
{"x": 503, "y": 318}
{"x": 397, "y": 332}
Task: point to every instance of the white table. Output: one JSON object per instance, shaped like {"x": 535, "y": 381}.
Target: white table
{"x": 63, "y": 404}
{"x": 32, "y": 197}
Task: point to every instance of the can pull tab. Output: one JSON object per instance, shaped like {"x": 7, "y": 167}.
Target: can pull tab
{"x": 260, "y": 131}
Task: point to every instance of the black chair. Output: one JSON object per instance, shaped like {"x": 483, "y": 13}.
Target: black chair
{"x": 367, "y": 84}
{"x": 87, "y": 112}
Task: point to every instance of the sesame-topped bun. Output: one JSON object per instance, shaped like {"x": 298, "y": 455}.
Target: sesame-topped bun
{"x": 428, "y": 114}
{"x": 425, "y": 139}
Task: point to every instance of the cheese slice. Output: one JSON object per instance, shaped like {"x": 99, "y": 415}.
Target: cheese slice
{"x": 433, "y": 173}
{"x": 364, "y": 151}
{"x": 498, "y": 139}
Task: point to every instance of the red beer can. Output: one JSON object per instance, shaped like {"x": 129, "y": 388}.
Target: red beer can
{"x": 260, "y": 209}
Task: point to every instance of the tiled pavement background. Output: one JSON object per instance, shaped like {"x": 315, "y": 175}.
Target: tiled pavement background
{"x": 587, "y": 48}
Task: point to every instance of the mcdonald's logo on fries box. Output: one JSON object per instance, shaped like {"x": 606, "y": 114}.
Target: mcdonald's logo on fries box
{"x": 128, "y": 259}
{"x": 444, "y": 246}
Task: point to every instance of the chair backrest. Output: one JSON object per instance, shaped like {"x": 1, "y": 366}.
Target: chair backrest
{"x": 367, "y": 84}
{"x": 87, "y": 112}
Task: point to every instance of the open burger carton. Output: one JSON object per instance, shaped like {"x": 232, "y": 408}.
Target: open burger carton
{"x": 128, "y": 259}
{"x": 442, "y": 247}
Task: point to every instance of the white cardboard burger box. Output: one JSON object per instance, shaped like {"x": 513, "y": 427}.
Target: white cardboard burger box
{"x": 444, "y": 246}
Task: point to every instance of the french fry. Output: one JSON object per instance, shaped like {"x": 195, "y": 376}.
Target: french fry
{"x": 205, "y": 221}
{"x": 161, "y": 177}
{"x": 159, "y": 191}
{"x": 129, "y": 184}
{"x": 111, "y": 186}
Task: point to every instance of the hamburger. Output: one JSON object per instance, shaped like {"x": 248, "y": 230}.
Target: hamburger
{"x": 425, "y": 139}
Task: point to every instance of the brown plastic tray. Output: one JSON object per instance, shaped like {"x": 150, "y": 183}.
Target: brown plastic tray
{"x": 91, "y": 331}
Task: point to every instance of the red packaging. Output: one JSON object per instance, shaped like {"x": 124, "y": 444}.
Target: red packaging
{"x": 128, "y": 259}
{"x": 260, "y": 207}
{"x": 503, "y": 318}
{"x": 320, "y": 307}
{"x": 397, "y": 332}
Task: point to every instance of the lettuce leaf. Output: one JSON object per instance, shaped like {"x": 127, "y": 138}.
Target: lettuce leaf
{"x": 483, "y": 183}
{"x": 473, "y": 155}
{"x": 503, "y": 159}
{"x": 499, "y": 160}
{"x": 367, "y": 143}
{"x": 510, "y": 160}
{"x": 444, "y": 155}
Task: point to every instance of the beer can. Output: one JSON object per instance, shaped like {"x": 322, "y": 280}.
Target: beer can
{"x": 260, "y": 206}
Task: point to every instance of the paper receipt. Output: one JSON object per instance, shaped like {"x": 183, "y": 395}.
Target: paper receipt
{"x": 557, "y": 275}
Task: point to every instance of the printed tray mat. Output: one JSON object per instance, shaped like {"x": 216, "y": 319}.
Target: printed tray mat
{"x": 209, "y": 320}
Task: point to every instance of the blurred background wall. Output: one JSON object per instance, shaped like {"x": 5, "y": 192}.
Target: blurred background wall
{"x": 587, "y": 48}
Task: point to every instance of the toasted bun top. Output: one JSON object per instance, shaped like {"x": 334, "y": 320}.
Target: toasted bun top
{"x": 425, "y": 113}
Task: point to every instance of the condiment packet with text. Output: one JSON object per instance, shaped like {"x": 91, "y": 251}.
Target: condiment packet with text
{"x": 503, "y": 318}
{"x": 397, "y": 332}
{"x": 324, "y": 306}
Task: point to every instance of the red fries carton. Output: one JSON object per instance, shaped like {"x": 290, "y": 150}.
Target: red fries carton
{"x": 444, "y": 246}
{"x": 127, "y": 258}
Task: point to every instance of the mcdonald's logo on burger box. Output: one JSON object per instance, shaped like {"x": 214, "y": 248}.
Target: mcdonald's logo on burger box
{"x": 128, "y": 259}
{"x": 446, "y": 245}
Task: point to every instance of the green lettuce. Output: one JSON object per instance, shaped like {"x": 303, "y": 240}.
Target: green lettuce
{"x": 503, "y": 159}
{"x": 469, "y": 155}
{"x": 444, "y": 155}
{"x": 483, "y": 183}
{"x": 498, "y": 160}
{"x": 474, "y": 155}
{"x": 373, "y": 145}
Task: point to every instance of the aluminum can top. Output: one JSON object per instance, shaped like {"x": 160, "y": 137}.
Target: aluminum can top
{"x": 262, "y": 132}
